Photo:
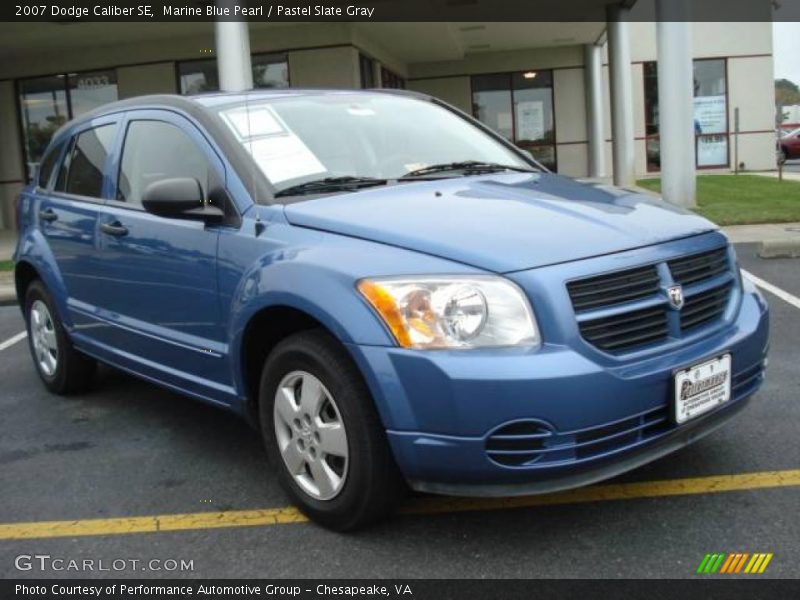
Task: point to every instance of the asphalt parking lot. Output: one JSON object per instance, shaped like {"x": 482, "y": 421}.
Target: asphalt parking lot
{"x": 129, "y": 449}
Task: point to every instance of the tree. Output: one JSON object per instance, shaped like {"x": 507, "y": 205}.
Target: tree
{"x": 786, "y": 92}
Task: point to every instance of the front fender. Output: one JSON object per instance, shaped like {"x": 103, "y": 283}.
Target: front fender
{"x": 313, "y": 272}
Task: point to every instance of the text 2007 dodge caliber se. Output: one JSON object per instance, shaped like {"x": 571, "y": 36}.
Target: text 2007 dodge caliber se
{"x": 392, "y": 293}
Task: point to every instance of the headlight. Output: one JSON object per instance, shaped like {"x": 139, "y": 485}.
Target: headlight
{"x": 453, "y": 312}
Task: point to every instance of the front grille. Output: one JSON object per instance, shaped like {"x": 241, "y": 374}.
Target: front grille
{"x": 652, "y": 321}
{"x": 627, "y": 330}
{"x": 615, "y": 288}
{"x": 699, "y": 267}
{"x": 705, "y": 307}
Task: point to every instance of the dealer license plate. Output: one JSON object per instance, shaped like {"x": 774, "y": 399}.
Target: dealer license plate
{"x": 701, "y": 388}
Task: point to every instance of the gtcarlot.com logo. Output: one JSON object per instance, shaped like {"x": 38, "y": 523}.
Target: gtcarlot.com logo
{"x": 735, "y": 563}
{"x": 46, "y": 562}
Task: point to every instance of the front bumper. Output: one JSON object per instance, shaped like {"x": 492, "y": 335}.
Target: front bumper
{"x": 441, "y": 408}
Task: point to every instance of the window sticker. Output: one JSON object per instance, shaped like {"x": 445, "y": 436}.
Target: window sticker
{"x": 284, "y": 157}
{"x": 262, "y": 121}
{"x": 278, "y": 152}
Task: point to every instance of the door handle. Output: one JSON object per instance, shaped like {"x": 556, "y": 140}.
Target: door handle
{"x": 47, "y": 215}
{"x": 115, "y": 229}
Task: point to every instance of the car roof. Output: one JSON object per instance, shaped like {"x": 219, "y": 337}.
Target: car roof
{"x": 190, "y": 102}
{"x": 197, "y": 104}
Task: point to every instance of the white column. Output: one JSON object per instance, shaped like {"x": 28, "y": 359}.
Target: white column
{"x": 619, "y": 64}
{"x": 675, "y": 102}
{"x": 233, "y": 53}
{"x": 593, "y": 71}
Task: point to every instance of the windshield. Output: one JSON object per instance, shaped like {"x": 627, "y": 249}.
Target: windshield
{"x": 307, "y": 138}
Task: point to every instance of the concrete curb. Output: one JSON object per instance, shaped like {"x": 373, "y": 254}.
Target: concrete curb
{"x": 786, "y": 248}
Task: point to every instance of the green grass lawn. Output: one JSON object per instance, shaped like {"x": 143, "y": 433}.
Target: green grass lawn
{"x": 743, "y": 199}
{"x": 6, "y": 265}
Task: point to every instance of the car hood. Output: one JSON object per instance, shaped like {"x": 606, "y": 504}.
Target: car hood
{"x": 502, "y": 222}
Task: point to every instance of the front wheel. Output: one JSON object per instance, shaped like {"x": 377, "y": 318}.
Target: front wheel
{"x": 61, "y": 367}
{"x": 323, "y": 434}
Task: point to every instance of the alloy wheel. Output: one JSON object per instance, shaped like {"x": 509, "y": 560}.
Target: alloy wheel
{"x": 311, "y": 435}
{"x": 43, "y": 336}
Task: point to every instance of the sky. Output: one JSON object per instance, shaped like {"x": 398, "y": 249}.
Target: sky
{"x": 786, "y": 48}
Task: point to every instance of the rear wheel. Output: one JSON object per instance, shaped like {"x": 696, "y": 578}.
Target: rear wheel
{"x": 60, "y": 366}
{"x": 323, "y": 434}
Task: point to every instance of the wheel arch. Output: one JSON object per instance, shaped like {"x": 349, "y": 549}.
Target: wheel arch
{"x": 25, "y": 273}
{"x": 265, "y": 329}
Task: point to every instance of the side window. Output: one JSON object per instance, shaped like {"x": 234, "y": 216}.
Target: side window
{"x": 82, "y": 170}
{"x": 156, "y": 150}
{"x": 47, "y": 165}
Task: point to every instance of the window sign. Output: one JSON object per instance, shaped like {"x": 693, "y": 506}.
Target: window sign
{"x": 710, "y": 114}
{"x": 530, "y": 120}
{"x": 712, "y": 150}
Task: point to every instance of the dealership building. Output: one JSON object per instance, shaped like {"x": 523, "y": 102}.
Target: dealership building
{"x": 582, "y": 97}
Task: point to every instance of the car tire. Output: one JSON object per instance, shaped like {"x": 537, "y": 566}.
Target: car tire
{"x": 62, "y": 368}
{"x": 342, "y": 493}
{"x": 783, "y": 155}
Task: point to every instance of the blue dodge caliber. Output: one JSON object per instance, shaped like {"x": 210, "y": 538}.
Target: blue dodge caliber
{"x": 392, "y": 293}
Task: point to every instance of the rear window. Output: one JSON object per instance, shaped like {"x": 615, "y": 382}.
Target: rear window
{"x": 82, "y": 170}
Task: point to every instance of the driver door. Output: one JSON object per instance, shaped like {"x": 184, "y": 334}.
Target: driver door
{"x": 158, "y": 290}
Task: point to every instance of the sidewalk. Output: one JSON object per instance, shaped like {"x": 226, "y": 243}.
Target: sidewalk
{"x": 8, "y": 240}
{"x": 787, "y": 175}
{"x": 768, "y": 232}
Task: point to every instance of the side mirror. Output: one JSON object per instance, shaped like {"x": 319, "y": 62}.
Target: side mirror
{"x": 179, "y": 198}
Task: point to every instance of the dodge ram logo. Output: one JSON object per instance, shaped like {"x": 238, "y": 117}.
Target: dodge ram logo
{"x": 675, "y": 294}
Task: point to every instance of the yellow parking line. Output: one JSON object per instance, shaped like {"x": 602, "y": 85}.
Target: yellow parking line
{"x": 282, "y": 516}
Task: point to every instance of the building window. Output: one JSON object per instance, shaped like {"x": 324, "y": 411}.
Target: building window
{"x": 46, "y": 103}
{"x": 519, "y": 106}
{"x": 269, "y": 71}
{"x": 710, "y": 114}
{"x": 367, "y": 68}
{"x": 390, "y": 79}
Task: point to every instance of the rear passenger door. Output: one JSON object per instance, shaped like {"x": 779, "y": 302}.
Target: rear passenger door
{"x": 71, "y": 198}
{"x": 160, "y": 288}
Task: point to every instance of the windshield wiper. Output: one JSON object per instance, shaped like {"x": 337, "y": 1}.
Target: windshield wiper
{"x": 330, "y": 184}
{"x": 467, "y": 166}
